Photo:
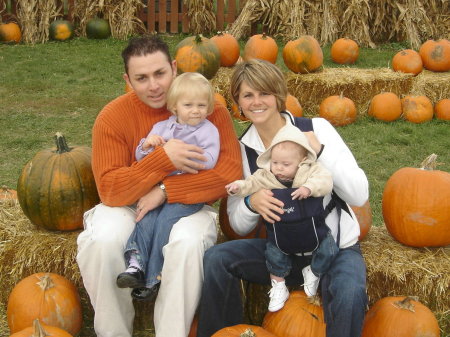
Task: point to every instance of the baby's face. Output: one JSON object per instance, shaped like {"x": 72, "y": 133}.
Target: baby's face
{"x": 284, "y": 162}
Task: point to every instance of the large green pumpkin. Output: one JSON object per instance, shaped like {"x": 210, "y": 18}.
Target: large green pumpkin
{"x": 98, "y": 29}
{"x": 57, "y": 186}
{"x": 61, "y": 30}
{"x": 197, "y": 54}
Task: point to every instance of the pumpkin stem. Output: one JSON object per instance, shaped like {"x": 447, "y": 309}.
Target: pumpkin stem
{"x": 61, "y": 144}
{"x": 45, "y": 282}
{"x": 429, "y": 163}
{"x": 198, "y": 38}
{"x": 248, "y": 333}
{"x": 406, "y": 303}
{"x": 315, "y": 300}
{"x": 38, "y": 329}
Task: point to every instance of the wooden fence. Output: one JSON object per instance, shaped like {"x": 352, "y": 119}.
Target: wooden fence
{"x": 163, "y": 16}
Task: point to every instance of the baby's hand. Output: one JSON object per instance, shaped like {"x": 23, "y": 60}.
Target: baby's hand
{"x": 301, "y": 193}
{"x": 152, "y": 141}
{"x": 232, "y": 188}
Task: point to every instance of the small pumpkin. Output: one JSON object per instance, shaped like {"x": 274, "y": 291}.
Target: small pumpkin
{"x": 98, "y": 28}
{"x": 416, "y": 204}
{"x": 61, "y": 30}
{"x": 41, "y": 330}
{"x": 197, "y": 54}
{"x": 228, "y": 47}
{"x": 442, "y": 109}
{"x": 224, "y": 222}
{"x": 243, "y": 330}
{"x": 261, "y": 46}
{"x": 385, "y": 106}
{"x": 220, "y": 99}
{"x": 436, "y": 55}
{"x": 364, "y": 216}
{"x": 300, "y": 316}
{"x": 338, "y": 110}
{"x": 407, "y": 61}
{"x": 400, "y": 317}
{"x": 344, "y": 51}
{"x": 49, "y": 297}
{"x": 57, "y": 186}
{"x": 303, "y": 55}
{"x": 417, "y": 109}
{"x": 294, "y": 106}
{"x": 10, "y": 32}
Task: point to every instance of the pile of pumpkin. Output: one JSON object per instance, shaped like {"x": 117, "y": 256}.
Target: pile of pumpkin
{"x": 304, "y": 55}
{"x": 59, "y": 30}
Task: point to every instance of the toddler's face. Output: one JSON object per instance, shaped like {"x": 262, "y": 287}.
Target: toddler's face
{"x": 284, "y": 162}
{"x": 191, "y": 109}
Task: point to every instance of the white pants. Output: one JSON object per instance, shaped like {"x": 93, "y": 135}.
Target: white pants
{"x": 100, "y": 259}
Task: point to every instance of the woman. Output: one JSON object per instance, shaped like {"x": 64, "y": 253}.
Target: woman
{"x": 259, "y": 89}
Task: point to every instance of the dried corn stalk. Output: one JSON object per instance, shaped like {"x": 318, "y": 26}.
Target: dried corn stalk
{"x": 201, "y": 16}
{"x": 330, "y": 19}
{"x": 356, "y": 19}
{"x": 251, "y": 12}
{"x": 35, "y": 17}
{"x": 296, "y": 20}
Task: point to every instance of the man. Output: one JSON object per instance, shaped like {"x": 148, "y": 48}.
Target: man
{"x": 122, "y": 182}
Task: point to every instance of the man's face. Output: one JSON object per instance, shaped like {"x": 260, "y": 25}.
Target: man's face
{"x": 150, "y": 77}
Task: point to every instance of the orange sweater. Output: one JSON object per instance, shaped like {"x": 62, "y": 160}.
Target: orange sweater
{"x": 121, "y": 180}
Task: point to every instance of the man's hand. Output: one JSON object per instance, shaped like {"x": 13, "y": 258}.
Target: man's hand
{"x": 182, "y": 155}
{"x": 149, "y": 202}
{"x": 266, "y": 205}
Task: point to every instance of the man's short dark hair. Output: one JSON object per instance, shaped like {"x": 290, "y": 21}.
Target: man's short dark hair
{"x": 143, "y": 45}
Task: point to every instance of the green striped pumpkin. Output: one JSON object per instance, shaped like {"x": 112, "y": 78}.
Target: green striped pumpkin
{"x": 60, "y": 30}
{"x": 57, "y": 186}
{"x": 197, "y": 54}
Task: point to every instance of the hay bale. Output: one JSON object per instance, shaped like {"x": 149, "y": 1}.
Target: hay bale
{"x": 434, "y": 85}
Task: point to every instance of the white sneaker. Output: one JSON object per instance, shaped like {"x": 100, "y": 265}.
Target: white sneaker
{"x": 311, "y": 281}
{"x": 278, "y": 295}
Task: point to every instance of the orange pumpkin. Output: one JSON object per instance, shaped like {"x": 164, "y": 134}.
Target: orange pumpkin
{"x": 261, "y": 46}
{"x": 220, "y": 99}
{"x": 400, "y": 317}
{"x": 41, "y": 330}
{"x": 51, "y": 298}
{"x": 416, "y": 204}
{"x": 197, "y": 54}
{"x": 407, "y": 61}
{"x": 300, "y": 316}
{"x": 228, "y": 47}
{"x": 417, "y": 109}
{"x": 338, "y": 110}
{"x": 303, "y": 55}
{"x": 436, "y": 55}
{"x": 243, "y": 330}
{"x": 385, "y": 106}
{"x": 293, "y": 106}
{"x": 344, "y": 51}
{"x": 364, "y": 216}
{"x": 258, "y": 232}
{"x": 442, "y": 109}
{"x": 10, "y": 32}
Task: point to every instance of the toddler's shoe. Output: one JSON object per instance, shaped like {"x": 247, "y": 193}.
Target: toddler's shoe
{"x": 278, "y": 295}
{"x": 131, "y": 279}
{"x": 311, "y": 281}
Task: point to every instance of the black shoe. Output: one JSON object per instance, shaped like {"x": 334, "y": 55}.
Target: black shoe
{"x": 135, "y": 279}
{"x": 145, "y": 294}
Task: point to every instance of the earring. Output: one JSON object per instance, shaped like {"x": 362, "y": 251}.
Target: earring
{"x": 241, "y": 112}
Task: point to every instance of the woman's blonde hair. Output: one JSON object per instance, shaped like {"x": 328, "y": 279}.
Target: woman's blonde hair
{"x": 190, "y": 84}
{"x": 262, "y": 76}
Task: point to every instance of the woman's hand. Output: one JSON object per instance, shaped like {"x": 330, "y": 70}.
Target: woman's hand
{"x": 149, "y": 202}
{"x": 266, "y": 205}
{"x": 313, "y": 141}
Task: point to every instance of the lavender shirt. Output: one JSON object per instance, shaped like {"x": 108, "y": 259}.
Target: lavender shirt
{"x": 204, "y": 135}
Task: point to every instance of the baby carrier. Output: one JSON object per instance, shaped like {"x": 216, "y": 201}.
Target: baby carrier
{"x": 302, "y": 226}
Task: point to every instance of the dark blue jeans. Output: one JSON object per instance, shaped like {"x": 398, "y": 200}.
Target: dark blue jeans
{"x": 343, "y": 286}
{"x": 151, "y": 234}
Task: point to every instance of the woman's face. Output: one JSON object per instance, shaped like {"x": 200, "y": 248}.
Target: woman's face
{"x": 257, "y": 106}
